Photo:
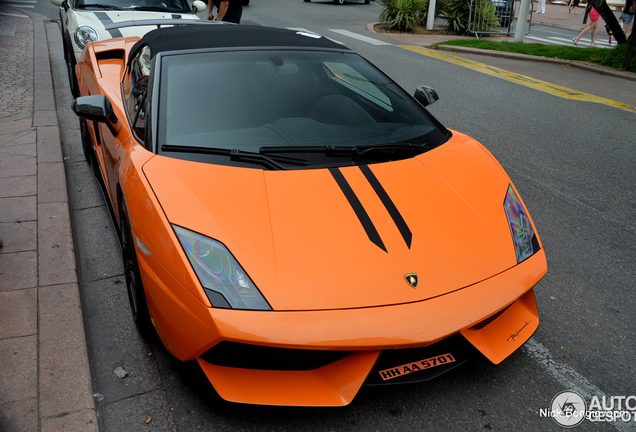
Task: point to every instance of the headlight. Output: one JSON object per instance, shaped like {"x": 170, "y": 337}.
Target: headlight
{"x": 84, "y": 35}
{"x": 224, "y": 281}
{"x": 523, "y": 236}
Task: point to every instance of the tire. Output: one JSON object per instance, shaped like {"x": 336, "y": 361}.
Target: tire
{"x": 366, "y": 2}
{"x": 87, "y": 147}
{"x": 70, "y": 68}
{"x": 245, "y": 2}
{"x": 134, "y": 286}
{"x": 306, "y": 1}
{"x": 338, "y": 2}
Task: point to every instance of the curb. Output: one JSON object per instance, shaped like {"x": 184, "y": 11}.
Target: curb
{"x": 65, "y": 391}
{"x": 514, "y": 56}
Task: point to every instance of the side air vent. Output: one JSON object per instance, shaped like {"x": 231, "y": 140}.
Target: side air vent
{"x": 110, "y": 55}
{"x": 488, "y": 320}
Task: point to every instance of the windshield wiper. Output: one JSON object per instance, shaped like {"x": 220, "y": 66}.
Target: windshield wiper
{"x": 151, "y": 8}
{"x": 356, "y": 152}
{"x": 99, "y": 6}
{"x": 238, "y": 155}
{"x": 361, "y": 150}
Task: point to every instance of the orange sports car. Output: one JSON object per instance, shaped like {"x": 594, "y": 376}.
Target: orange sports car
{"x": 295, "y": 221}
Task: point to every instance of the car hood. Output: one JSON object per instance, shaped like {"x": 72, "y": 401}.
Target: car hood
{"x": 319, "y": 239}
{"x": 99, "y": 18}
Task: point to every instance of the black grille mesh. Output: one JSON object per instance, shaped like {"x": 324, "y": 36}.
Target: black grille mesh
{"x": 232, "y": 354}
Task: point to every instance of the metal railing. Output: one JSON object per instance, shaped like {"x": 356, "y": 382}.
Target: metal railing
{"x": 481, "y": 22}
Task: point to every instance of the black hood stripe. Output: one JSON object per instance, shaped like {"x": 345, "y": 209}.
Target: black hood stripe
{"x": 388, "y": 204}
{"x": 357, "y": 207}
{"x": 105, "y": 19}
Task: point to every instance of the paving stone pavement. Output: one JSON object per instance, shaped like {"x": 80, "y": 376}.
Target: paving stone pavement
{"x": 45, "y": 382}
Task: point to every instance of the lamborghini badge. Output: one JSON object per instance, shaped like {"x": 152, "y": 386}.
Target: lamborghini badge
{"x": 411, "y": 279}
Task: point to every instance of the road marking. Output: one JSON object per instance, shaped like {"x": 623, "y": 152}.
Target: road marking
{"x": 534, "y": 83}
{"x": 360, "y": 37}
{"x": 304, "y": 30}
{"x": 568, "y": 377}
{"x": 565, "y": 41}
{"x": 551, "y": 41}
{"x": 26, "y": 4}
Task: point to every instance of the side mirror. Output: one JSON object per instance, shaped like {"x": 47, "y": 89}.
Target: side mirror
{"x": 57, "y": 3}
{"x": 197, "y": 6}
{"x": 97, "y": 108}
{"x": 425, "y": 95}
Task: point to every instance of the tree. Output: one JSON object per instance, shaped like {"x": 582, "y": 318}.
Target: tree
{"x": 610, "y": 19}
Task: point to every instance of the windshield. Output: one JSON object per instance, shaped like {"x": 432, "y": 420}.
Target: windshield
{"x": 288, "y": 101}
{"x": 177, "y": 6}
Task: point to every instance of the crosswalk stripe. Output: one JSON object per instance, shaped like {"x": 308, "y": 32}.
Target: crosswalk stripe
{"x": 568, "y": 42}
{"x": 26, "y": 4}
{"x": 548, "y": 40}
{"x": 360, "y": 37}
{"x": 304, "y": 30}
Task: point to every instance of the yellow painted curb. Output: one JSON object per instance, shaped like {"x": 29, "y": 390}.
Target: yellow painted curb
{"x": 544, "y": 86}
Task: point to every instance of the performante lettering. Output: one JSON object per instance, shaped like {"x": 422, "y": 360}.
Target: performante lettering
{"x": 408, "y": 368}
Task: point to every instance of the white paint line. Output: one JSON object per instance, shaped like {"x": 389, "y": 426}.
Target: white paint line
{"x": 303, "y": 30}
{"x": 548, "y": 40}
{"x": 360, "y": 37}
{"x": 569, "y": 378}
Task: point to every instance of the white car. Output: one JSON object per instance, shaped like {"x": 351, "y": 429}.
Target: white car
{"x": 87, "y": 20}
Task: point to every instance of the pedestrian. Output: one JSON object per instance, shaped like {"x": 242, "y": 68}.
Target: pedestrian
{"x": 541, "y": 7}
{"x": 628, "y": 16}
{"x": 227, "y": 10}
{"x": 591, "y": 27}
{"x": 573, "y": 4}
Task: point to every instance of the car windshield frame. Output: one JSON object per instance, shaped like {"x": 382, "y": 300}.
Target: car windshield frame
{"x": 341, "y": 69}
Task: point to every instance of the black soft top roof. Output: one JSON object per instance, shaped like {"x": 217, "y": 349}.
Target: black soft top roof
{"x": 186, "y": 37}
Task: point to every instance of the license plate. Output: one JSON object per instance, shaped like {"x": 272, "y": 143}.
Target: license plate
{"x": 417, "y": 366}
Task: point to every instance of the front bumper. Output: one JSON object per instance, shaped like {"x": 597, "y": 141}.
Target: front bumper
{"x": 189, "y": 330}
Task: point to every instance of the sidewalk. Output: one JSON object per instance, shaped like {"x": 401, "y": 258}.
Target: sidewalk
{"x": 45, "y": 382}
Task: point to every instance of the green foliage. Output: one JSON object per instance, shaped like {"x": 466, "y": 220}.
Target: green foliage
{"x": 403, "y": 15}
{"x": 485, "y": 17}
{"x": 608, "y": 57}
{"x": 458, "y": 12}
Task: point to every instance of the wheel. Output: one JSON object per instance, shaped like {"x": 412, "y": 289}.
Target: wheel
{"x": 86, "y": 141}
{"x": 136, "y": 294}
{"x": 245, "y": 2}
{"x": 307, "y": 1}
{"x": 69, "y": 56}
{"x": 339, "y": 2}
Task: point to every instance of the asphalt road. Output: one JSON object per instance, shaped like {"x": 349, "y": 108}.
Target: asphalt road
{"x": 571, "y": 161}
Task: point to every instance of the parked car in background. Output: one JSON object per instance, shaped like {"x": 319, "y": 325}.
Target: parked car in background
{"x": 83, "y": 21}
{"x": 307, "y": 227}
